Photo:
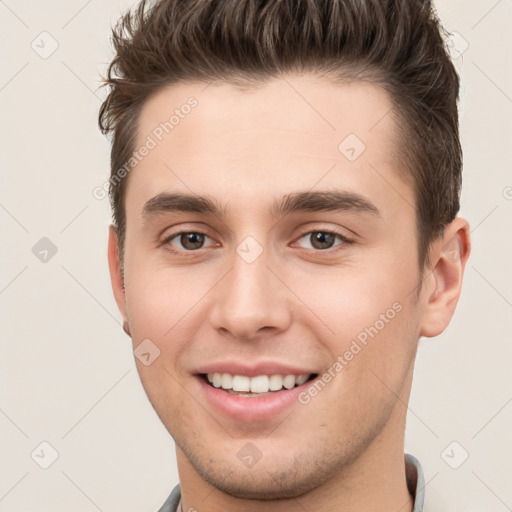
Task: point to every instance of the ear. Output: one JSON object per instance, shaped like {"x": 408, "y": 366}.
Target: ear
{"x": 449, "y": 257}
{"x": 116, "y": 277}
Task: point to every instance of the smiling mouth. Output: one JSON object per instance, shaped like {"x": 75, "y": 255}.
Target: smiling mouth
{"x": 260, "y": 385}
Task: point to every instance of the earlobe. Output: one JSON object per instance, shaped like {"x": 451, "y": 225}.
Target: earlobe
{"x": 126, "y": 328}
{"x": 449, "y": 257}
{"x": 116, "y": 277}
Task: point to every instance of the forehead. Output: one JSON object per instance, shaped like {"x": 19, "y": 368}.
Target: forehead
{"x": 286, "y": 133}
{"x": 303, "y": 105}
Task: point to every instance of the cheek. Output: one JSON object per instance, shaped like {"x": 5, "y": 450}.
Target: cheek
{"x": 381, "y": 350}
{"x": 160, "y": 305}
{"x": 349, "y": 299}
{"x": 160, "y": 299}
{"x": 369, "y": 316}
{"x": 374, "y": 356}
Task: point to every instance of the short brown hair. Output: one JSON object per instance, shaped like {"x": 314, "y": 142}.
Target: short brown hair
{"x": 397, "y": 44}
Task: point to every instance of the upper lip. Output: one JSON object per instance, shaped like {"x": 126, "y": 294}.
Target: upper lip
{"x": 254, "y": 369}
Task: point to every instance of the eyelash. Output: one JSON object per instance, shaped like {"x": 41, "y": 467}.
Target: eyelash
{"x": 345, "y": 241}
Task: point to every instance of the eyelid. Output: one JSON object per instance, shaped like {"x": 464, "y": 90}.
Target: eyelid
{"x": 345, "y": 240}
{"x": 331, "y": 230}
{"x": 183, "y": 227}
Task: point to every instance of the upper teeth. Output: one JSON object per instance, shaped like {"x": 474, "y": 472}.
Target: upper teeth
{"x": 259, "y": 384}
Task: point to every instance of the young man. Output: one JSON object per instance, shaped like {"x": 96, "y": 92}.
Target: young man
{"x": 285, "y": 183}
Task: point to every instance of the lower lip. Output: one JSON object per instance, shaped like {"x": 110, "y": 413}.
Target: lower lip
{"x": 251, "y": 409}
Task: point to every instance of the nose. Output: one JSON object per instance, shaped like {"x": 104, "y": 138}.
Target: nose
{"x": 251, "y": 301}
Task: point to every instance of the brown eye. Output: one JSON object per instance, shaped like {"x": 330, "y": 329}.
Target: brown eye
{"x": 191, "y": 241}
{"x": 322, "y": 240}
{"x": 185, "y": 241}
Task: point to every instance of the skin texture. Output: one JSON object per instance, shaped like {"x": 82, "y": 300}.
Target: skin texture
{"x": 293, "y": 305}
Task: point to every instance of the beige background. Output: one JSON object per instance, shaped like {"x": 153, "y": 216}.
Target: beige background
{"x": 67, "y": 372}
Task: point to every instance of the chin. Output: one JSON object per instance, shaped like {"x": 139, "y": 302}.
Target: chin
{"x": 260, "y": 484}
{"x": 278, "y": 477}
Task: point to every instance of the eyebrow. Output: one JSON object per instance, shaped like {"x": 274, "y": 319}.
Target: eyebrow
{"x": 295, "y": 202}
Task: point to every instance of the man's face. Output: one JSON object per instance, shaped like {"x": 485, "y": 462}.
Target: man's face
{"x": 266, "y": 290}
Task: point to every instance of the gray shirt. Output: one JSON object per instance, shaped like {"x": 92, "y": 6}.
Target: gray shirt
{"x": 413, "y": 471}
